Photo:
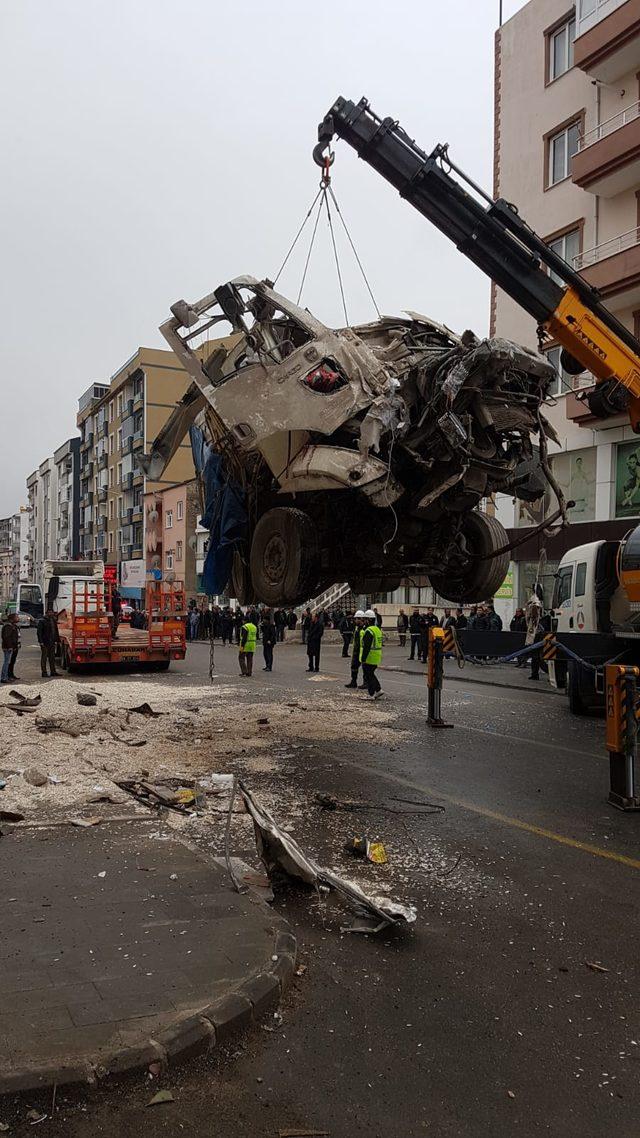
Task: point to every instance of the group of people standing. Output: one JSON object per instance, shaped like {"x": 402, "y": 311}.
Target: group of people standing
{"x": 206, "y": 621}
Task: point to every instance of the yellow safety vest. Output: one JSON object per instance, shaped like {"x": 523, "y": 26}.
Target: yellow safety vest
{"x": 375, "y": 652}
{"x": 252, "y": 637}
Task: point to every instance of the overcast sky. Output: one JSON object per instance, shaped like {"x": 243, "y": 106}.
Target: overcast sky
{"x": 154, "y": 149}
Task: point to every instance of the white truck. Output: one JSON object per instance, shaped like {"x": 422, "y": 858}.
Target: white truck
{"x": 596, "y": 603}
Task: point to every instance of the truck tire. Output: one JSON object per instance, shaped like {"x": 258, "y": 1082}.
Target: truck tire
{"x": 241, "y": 587}
{"x": 284, "y": 558}
{"x": 480, "y": 580}
{"x": 578, "y": 704}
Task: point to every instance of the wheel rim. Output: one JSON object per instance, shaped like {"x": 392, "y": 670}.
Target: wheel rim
{"x": 275, "y": 559}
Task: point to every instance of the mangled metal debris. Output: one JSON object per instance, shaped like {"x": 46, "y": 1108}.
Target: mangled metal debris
{"x": 280, "y": 852}
{"x": 358, "y": 453}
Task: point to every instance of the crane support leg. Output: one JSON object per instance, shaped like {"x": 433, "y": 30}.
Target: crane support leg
{"x": 622, "y": 734}
{"x": 435, "y": 673}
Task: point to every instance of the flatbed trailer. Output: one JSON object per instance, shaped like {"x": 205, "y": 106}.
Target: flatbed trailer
{"x": 87, "y": 635}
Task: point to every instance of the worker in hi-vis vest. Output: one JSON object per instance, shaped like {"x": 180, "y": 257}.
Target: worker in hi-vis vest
{"x": 360, "y": 623}
{"x": 371, "y": 653}
{"x": 248, "y": 640}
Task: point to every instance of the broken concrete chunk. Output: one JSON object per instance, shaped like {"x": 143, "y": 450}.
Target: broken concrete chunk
{"x": 35, "y": 777}
{"x": 86, "y": 699}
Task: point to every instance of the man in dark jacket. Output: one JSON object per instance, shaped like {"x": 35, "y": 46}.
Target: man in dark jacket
{"x": 416, "y": 623}
{"x": 461, "y": 620}
{"x": 429, "y": 620}
{"x": 10, "y": 647}
{"x": 314, "y": 638}
{"x": 494, "y": 619}
{"x": 269, "y": 638}
{"x": 359, "y": 623}
{"x": 48, "y": 639}
{"x": 346, "y": 626}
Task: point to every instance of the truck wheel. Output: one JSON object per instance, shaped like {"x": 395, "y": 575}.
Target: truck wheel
{"x": 479, "y": 580}
{"x": 576, "y": 685}
{"x": 241, "y": 586}
{"x": 284, "y": 558}
{"x": 159, "y": 665}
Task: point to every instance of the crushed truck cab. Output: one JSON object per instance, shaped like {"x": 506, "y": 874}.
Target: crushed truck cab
{"x": 361, "y": 452}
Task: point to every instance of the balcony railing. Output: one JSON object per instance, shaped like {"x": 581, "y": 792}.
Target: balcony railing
{"x": 590, "y": 12}
{"x": 609, "y": 125}
{"x": 607, "y": 249}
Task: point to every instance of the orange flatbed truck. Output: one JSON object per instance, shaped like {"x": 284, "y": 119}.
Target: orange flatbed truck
{"x": 82, "y": 601}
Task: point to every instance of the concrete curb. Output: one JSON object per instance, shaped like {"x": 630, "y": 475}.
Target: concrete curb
{"x": 193, "y": 1034}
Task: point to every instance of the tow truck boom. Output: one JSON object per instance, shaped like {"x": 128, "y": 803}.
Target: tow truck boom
{"x": 493, "y": 235}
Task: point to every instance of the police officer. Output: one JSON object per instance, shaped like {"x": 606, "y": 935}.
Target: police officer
{"x": 371, "y": 653}
{"x": 358, "y": 618}
{"x": 248, "y": 640}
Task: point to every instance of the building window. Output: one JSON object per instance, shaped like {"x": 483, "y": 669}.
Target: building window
{"x": 111, "y": 444}
{"x": 560, "y": 49}
{"x": 111, "y": 509}
{"x": 119, "y": 472}
{"x": 566, "y": 246}
{"x": 564, "y": 381}
{"x": 180, "y": 510}
{"x": 119, "y": 438}
{"x": 111, "y": 540}
{"x": 120, "y": 403}
{"x": 178, "y": 551}
{"x": 561, "y": 148}
{"x": 111, "y": 411}
{"x": 169, "y": 560}
{"x": 169, "y": 519}
{"x": 111, "y": 476}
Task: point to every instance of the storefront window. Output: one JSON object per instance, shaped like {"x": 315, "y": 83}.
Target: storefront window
{"x": 628, "y": 480}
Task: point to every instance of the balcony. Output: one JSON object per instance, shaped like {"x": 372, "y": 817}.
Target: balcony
{"x": 138, "y": 403}
{"x": 87, "y": 441}
{"x": 608, "y": 161}
{"x": 607, "y": 42}
{"x": 103, "y": 461}
{"x": 102, "y": 522}
{"x": 128, "y": 408}
{"x": 127, "y": 445}
{"x": 138, "y": 478}
{"x": 138, "y": 440}
{"x": 102, "y": 493}
{"x": 126, "y": 517}
{"x": 127, "y": 481}
{"x": 614, "y": 268}
{"x": 137, "y": 549}
{"x": 137, "y": 513}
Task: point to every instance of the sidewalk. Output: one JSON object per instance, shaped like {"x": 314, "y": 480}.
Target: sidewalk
{"x": 121, "y": 947}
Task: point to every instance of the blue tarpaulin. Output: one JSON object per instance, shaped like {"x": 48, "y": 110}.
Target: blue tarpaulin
{"x": 225, "y": 514}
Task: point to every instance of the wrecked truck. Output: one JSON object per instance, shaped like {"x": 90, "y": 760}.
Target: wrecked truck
{"x": 355, "y": 454}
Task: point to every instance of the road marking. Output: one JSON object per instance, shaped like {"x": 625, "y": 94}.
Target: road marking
{"x": 496, "y": 816}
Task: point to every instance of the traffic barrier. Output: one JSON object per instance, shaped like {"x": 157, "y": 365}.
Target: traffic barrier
{"x": 435, "y": 673}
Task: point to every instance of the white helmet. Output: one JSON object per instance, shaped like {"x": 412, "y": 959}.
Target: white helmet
{"x": 370, "y": 615}
{"x": 359, "y": 615}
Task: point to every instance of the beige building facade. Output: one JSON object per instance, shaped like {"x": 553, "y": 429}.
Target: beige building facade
{"x": 567, "y": 154}
{"x": 117, "y": 422}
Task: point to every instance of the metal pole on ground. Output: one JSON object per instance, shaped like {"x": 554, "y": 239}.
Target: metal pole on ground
{"x": 435, "y": 673}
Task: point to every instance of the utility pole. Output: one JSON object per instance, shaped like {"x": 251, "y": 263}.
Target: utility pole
{"x": 500, "y": 14}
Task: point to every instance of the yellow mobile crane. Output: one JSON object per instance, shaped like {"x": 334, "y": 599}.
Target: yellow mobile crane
{"x": 493, "y": 235}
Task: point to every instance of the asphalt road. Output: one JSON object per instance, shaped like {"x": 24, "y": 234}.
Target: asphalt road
{"x": 488, "y": 1017}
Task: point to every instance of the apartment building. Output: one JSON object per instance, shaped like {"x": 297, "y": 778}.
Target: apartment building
{"x": 567, "y": 154}
{"x": 180, "y": 510}
{"x": 41, "y": 494}
{"x": 14, "y": 565}
{"x": 117, "y": 422}
{"x": 66, "y": 505}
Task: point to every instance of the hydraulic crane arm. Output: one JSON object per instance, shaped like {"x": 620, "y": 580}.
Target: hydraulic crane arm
{"x": 493, "y": 235}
